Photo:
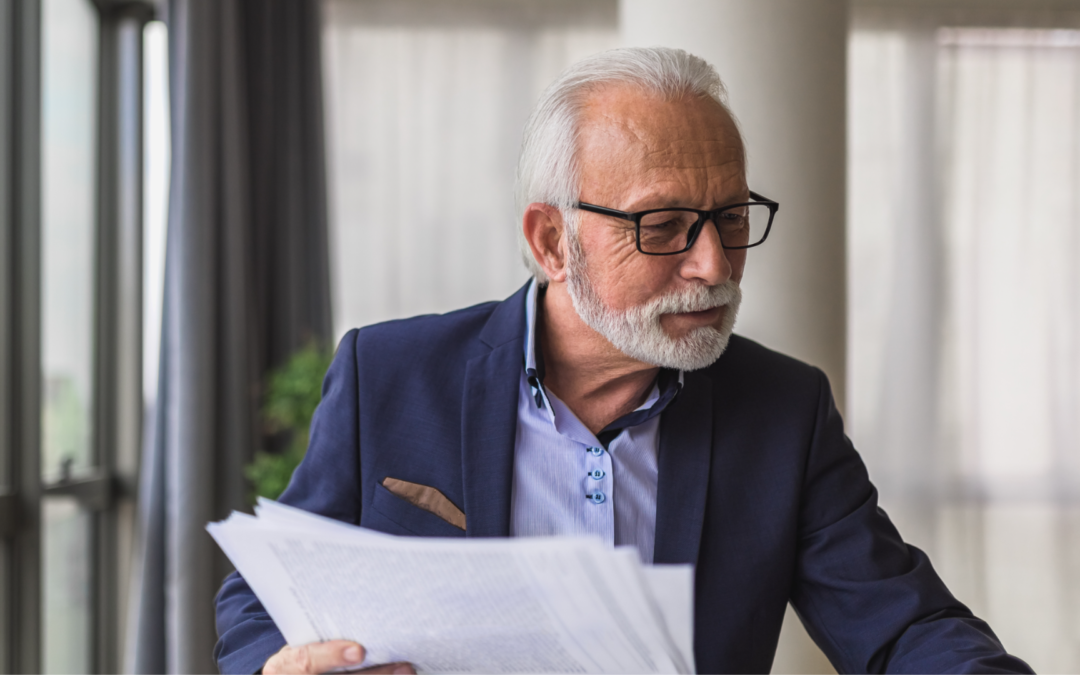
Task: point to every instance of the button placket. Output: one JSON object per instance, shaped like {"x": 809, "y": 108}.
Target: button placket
{"x": 597, "y": 482}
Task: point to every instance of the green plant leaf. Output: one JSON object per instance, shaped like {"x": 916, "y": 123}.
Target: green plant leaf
{"x": 293, "y": 392}
{"x": 295, "y": 389}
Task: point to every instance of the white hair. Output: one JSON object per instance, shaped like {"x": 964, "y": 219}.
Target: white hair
{"x": 547, "y": 167}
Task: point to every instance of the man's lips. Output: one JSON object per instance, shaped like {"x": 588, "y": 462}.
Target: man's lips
{"x": 704, "y": 316}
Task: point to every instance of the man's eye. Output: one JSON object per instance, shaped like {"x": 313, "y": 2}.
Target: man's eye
{"x": 661, "y": 226}
{"x": 728, "y": 220}
{"x": 668, "y": 220}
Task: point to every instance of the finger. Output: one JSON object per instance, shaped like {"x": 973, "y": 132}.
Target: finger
{"x": 318, "y": 657}
{"x": 399, "y": 668}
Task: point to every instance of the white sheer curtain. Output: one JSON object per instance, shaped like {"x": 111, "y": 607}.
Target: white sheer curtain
{"x": 425, "y": 105}
{"x": 964, "y": 325}
{"x": 1011, "y": 130}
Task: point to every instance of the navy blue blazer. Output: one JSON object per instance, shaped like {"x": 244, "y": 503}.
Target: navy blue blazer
{"x": 758, "y": 487}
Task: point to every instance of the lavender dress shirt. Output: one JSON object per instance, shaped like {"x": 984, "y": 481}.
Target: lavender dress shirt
{"x": 568, "y": 480}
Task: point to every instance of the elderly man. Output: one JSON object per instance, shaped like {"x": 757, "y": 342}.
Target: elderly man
{"x": 608, "y": 397}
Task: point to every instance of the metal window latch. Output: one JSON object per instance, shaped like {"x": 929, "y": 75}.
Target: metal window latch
{"x": 94, "y": 492}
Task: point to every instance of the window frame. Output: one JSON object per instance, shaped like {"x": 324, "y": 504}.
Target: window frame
{"x": 20, "y": 212}
{"x": 109, "y": 490}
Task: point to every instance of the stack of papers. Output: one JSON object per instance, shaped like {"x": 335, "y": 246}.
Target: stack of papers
{"x": 537, "y": 605}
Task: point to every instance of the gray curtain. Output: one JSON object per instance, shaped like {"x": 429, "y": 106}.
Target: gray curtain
{"x": 246, "y": 284}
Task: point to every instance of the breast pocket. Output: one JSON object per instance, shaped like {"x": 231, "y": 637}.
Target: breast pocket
{"x": 393, "y": 515}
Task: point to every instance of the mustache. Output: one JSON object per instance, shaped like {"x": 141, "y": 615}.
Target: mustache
{"x": 696, "y": 298}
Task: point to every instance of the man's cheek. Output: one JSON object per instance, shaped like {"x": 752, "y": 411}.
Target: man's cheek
{"x": 737, "y": 261}
{"x": 639, "y": 280}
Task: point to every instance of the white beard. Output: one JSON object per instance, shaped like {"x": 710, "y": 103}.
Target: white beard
{"x": 637, "y": 332}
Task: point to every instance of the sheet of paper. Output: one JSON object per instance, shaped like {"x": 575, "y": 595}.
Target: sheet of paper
{"x": 491, "y": 605}
{"x": 673, "y": 588}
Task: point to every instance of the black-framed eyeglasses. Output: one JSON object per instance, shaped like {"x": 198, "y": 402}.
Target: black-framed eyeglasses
{"x": 672, "y": 231}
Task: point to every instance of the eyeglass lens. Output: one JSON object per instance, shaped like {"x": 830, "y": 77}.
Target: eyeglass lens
{"x": 669, "y": 231}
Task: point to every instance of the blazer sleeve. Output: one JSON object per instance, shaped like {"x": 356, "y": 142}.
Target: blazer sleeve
{"x": 327, "y": 482}
{"x": 871, "y": 602}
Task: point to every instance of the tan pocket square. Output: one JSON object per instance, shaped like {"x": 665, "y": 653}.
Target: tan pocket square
{"x": 427, "y": 498}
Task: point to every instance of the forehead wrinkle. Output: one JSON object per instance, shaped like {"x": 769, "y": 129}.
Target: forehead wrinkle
{"x": 674, "y": 141}
{"x": 662, "y": 193}
{"x": 690, "y": 156}
{"x": 674, "y": 149}
{"x": 621, "y": 146}
{"x": 685, "y": 176}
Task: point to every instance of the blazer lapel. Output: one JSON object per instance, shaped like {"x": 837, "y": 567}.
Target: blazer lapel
{"x": 686, "y": 433}
{"x": 489, "y": 420}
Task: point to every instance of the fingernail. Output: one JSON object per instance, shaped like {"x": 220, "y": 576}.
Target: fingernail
{"x": 403, "y": 669}
{"x": 353, "y": 655}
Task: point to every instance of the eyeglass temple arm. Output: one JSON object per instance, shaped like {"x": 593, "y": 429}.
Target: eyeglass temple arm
{"x": 759, "y": 198}
{"x": 605, "y": 211}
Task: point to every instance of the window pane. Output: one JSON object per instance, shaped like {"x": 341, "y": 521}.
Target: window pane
{"x": 66, "y": 531}
{"x": 69, "y": 139}
{"x": 69, "y": 124}
{"x": 156, "y": 149}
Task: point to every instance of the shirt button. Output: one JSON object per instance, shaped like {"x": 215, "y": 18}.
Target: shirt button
{"x": 595, "y": 452}
{"x": 596, "y": 497}
{"x": 597, "y": 474}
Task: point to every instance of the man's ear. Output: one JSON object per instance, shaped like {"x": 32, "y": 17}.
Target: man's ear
{"x": 545, "y": 231}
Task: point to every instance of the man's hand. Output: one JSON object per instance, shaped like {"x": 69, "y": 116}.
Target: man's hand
{"x": 321, "y": 657}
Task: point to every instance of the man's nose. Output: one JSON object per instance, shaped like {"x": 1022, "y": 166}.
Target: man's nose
{"x": 706, "y": 260}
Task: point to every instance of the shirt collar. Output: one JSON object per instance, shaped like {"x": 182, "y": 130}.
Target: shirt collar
{"x": 667, "y": 384}
{"x": 533, "y": 370}
{"x": 531, "y": 298}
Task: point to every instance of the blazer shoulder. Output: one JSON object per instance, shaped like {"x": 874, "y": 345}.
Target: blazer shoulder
{"x": 766, "y": 379}
{"x": 749, "y": 358}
